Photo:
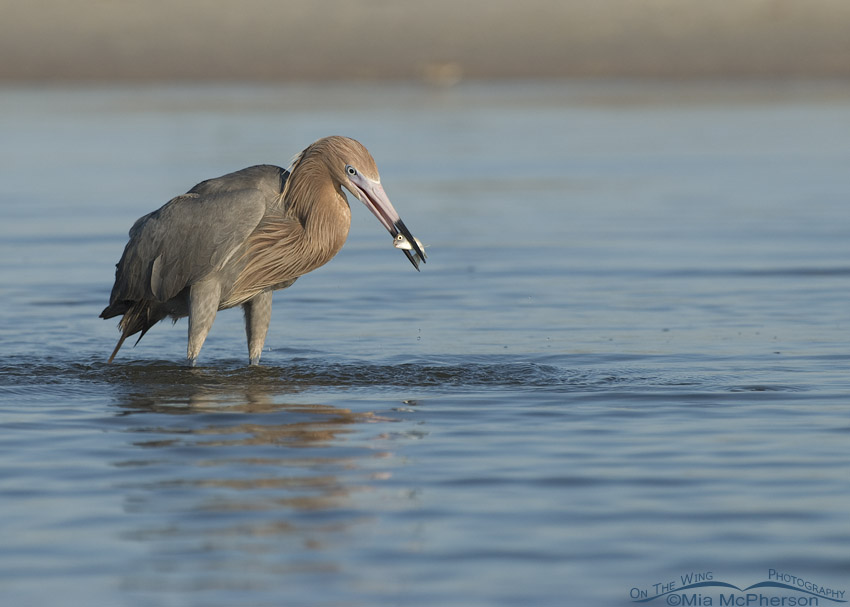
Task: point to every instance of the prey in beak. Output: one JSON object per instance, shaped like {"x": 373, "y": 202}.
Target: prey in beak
{"x": 404, "y": 240}
{"x": 371, "y": 193}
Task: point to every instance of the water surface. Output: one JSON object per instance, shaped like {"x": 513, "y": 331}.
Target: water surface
{"x": 625, "y": 360}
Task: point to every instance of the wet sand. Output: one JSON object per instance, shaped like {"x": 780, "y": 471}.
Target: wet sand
{"x": 441, "y": 41}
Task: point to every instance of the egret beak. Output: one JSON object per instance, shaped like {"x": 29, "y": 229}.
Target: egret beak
{"x": 371, "y": 193}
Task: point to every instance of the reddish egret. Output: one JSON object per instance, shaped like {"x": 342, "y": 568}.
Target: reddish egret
{"x": 233, "y": 240}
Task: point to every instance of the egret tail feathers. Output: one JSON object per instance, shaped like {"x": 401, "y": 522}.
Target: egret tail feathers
{"x": 137, "y": 318}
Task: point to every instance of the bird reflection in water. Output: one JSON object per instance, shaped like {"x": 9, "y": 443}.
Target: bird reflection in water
{"x": 245, "y": 485}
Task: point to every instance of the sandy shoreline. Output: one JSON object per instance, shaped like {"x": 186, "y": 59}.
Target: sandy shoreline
{"x": 443, "y": 41}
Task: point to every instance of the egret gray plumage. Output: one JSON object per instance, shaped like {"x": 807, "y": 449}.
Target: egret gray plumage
{"x": 233, "y": 240}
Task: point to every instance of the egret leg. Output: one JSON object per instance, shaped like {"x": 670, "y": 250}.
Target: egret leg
{"x": 258, "y": 315}
{"x": 203, "y": 304}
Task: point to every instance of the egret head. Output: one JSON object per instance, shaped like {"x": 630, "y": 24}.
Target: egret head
{"x": 351, "y": 166}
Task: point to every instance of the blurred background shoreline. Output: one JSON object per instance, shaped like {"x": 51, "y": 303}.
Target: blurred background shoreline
{"x": 441, "y": 43}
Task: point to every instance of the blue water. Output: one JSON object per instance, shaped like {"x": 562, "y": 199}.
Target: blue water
{"x": 625, "y": 361}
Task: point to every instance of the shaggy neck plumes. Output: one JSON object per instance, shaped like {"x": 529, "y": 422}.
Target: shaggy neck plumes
{"x": 315, "y": 198}
{"x": 308, "y": 231}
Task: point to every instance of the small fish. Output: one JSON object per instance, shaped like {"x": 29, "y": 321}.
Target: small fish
{"x": 400, "y": 242}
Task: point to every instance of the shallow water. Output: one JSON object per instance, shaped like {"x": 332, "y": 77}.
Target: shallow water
{"x": 625, "y": 360}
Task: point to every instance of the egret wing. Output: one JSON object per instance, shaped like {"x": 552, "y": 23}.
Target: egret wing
{"x": 194, "y": 234}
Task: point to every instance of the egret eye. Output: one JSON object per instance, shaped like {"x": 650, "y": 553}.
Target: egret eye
{"x": 350, "y": 170}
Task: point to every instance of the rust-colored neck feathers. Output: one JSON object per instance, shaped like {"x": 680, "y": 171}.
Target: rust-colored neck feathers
{"x": 311, "y": 223}
{"x": 323, "y": 163}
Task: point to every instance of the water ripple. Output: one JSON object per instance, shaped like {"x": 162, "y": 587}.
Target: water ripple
{"x": 300, "y": 374}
